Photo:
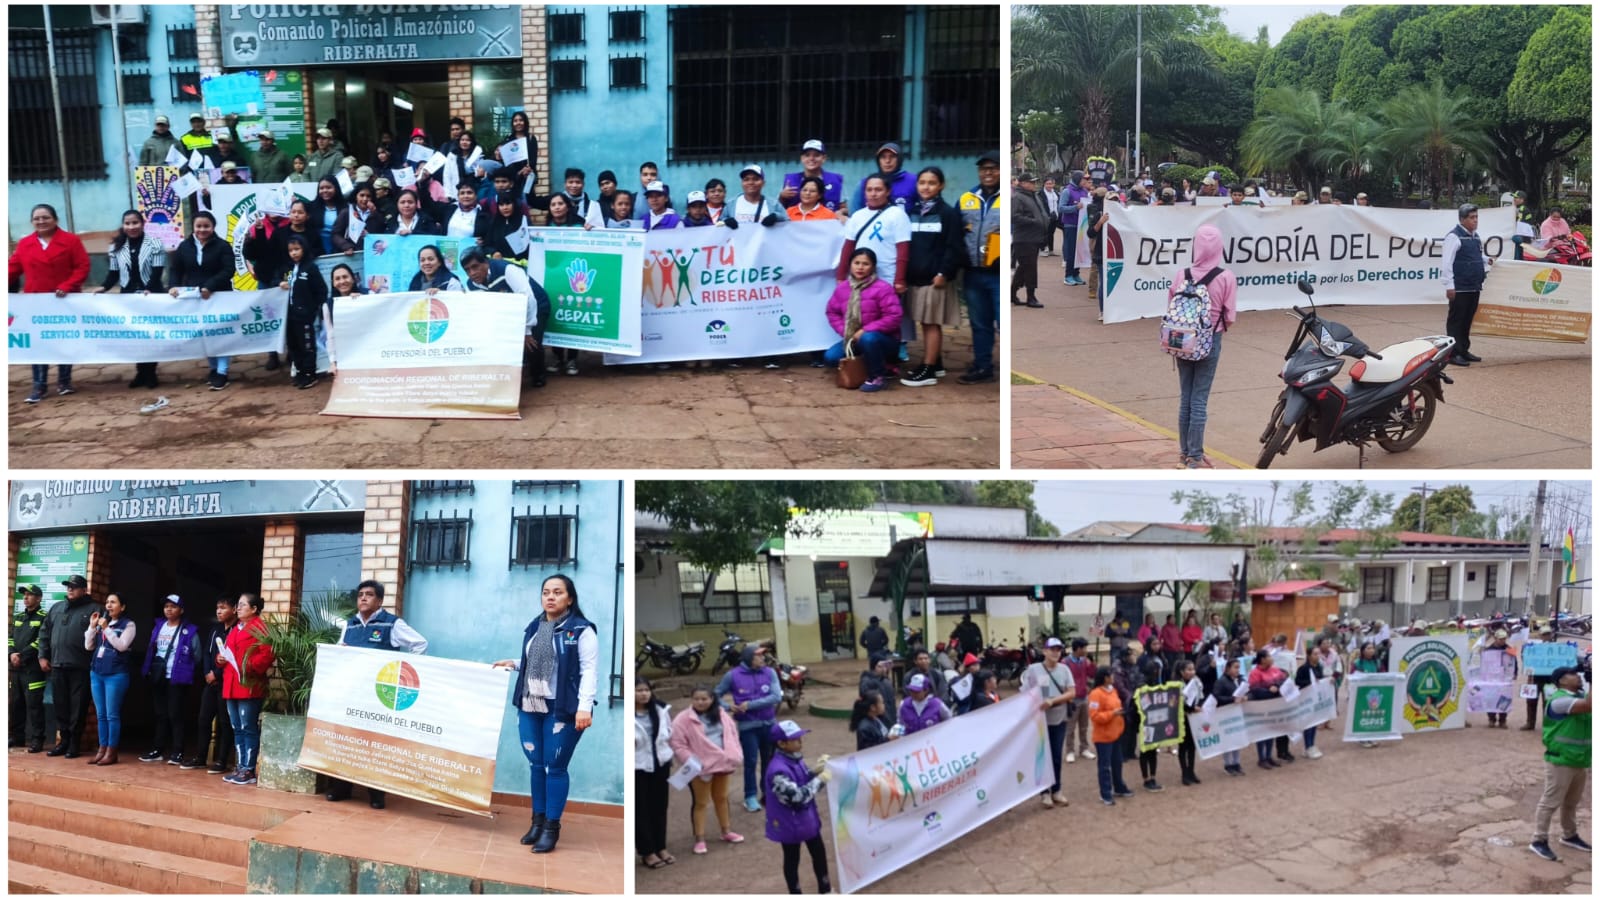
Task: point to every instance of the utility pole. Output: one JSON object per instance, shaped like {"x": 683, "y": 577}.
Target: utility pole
{"x": 61, "y": 133}
{"x": 1535, "y": 540}
{"x": 116, "y": 65}
{"x": 1138, "y": 88}
{"x": 1422, "y": 510}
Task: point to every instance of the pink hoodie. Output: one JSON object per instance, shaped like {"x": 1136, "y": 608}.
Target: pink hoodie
{"x": 689, "y": 739}
{"x": 1223, "y": 289}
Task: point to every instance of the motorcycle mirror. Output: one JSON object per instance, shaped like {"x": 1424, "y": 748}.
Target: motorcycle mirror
{"x": 1305, "y": 286}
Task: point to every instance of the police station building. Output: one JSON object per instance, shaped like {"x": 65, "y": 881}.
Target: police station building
{"x": 460, "y": 561}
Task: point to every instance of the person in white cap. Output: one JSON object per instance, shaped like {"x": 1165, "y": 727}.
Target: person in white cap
{"x": 752, "y": 205}
{"x": 158, "y": 144}
{"x": 1056, "y": 689}
{"x": 658, "y": 214}
{"x": 697, "y": 215}
{"x": 323, "y": 162}
{"x": 172, "y": 666}
{"x": 813, "y": 156}
{"x": 921, "y": 709}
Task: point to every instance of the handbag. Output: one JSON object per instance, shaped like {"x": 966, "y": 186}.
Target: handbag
{"x": 852, "y": 368}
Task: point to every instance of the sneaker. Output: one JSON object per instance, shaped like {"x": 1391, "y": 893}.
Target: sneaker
{"x": 1088, "y": 753}
{"x": 1033, "y": 303}
{"x": 700, "y": 847}
{"x": 216, "y": 768}
{"x": 1575, "y": 841}
{"x": 1543, "y": 850}
{"x": 1287, "y": 758}
{"x": 1234, "y": 770}
{"x": 1152, "y": 786}
{"x": 160, "y": 403}
{"x": 1072, "y": 757}
{"x": 35, "y": 396}
{"x": 1123, "y": 794}
{"x": 938, "y": 368}
{"x": 232, "y": 777}
{"x": 175, "y": 759}
{"x": 1368, "y": 744}
{"x": 921, "y": 376}
{"x": 1313, "y": 753}
{"x": 219, "y": 381}
{"x": 818, "y": 363}
{"x": 1105, "y": 801}
{"x": 553, "y": 368}
{"x": 731, "y": 837}
{"x": 904, "y": 355}
{"x": 772, "y": 366}
{"x": 153, "y": 755}
{"x": 872, "y": 385}
{"x": 977, "y": 376}
{"x": 66, "y": 390}
{"x": 307, "y": 382}
{"x": 1059, "y": 799}
{"x": 572, "y": 366}
{"x": 751, "y": 804}
{"x": 1045, "y": 800}
{"x": 247, "y": 777}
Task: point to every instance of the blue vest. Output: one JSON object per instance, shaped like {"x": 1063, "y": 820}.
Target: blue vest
{"x": 569, "y": 668}
{"x": 375, "y": 634}
{"x": 106, "y": 659}
{"x": 1468, "y": 269}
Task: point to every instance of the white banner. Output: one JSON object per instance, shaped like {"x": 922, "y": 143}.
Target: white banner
{"x": 1358, "y": 255}
{"x": 1373, "y": 709}
{"x": 1536, "y": 301}
{"x": 1231, "y": 728}
{"x": 895, "y": 803}
{"x": 594, "y": 296}
{"x": 417, "y": 726}
{"x": 409, "y": 355}
{"x": 1434, "y": 669}
{"x": 82, "y": 328}
{"x": 711, "y": 293}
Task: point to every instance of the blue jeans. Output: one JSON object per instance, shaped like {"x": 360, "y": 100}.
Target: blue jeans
{"x": 874, "y": 346}
{"x": 1108, "y": 764}
{"x": 1311, "y": 737}
{"x": 1263, "y": 750}
{"x": 245, "y": 716}
{"x": 41, "y": 375}
{"x": 548, "y": 740}
{"x": 1231, "y": 759}
{"x": 219, "y": 364}
{"x": 1194, "y": 390}
{"x": 982, "y": 293}
{"x": 758, "y": 748}
{"x": 108, "y": 691}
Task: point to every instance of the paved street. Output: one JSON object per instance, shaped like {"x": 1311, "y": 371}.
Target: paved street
{"x": 1527, "y": 406}
{"x": 621, "y": 418}
{"x": 1437, "y": 813}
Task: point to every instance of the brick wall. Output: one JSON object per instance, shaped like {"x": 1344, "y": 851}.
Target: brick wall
{"x": 383, "y": 539}
{"x": 281, "y": 568}
{"x": 99, "y": 567}
{"x": 13, "y": 546}
{"x": 208, "y": 38}
{"x": 459, "y": 90}
{"x": 536, "y": 91}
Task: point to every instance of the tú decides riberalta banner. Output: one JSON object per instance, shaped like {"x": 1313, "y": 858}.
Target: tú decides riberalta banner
{"x": 413, "y": 725}
{"x": 895, "y": 803}
{"x": 1359, "y": 255}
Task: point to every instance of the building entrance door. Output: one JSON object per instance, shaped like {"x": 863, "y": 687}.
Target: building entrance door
{"x": 370, "y": 100}
{"x": 835, "y": 615}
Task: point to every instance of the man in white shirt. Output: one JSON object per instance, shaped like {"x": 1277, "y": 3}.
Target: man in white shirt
{"x": 752, "y": 205}
{"x": 1463, "y": 269}
{"x": 373, "y": 628}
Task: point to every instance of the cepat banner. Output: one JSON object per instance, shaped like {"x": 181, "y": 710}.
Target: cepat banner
{"x": 1436, "y": 682}
{"x": 594, "y": 295}
{"x": 85, "y": 328}
{"x": 412, "y": 725}
{"x": 1373, "y": 710}
{"x": 163, "y": 211}
{"x": 411, "y": 355}
{"x": 711, "y": 293}
{"x": 1352, "y": 254}
{"x": 1231, "y": 728}
{"x": 897, "y": 802}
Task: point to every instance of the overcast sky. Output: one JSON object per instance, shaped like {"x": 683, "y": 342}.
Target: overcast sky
{"x": 1244, "y": 19}
{"x": 1072, "y": 504}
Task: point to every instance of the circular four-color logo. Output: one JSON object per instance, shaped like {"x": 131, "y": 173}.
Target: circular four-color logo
{"x": 398, "y": 686}
{"x": 427, "y": 320}
{"x": 1546, "y": 281}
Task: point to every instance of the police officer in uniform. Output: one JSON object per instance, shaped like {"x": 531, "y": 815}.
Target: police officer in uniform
{"x": 374, "y": 628}
{"x": 27, "y": 681}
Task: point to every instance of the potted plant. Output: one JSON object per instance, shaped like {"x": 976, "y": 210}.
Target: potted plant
{"x": 294, "y": 640}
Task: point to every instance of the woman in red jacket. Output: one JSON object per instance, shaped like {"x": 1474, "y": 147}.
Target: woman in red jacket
{"x": 245, "y": 694}
{"x": 49, "y": 260}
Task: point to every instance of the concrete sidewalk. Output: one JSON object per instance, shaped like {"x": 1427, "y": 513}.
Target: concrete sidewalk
{"x": 1527, "y": 405}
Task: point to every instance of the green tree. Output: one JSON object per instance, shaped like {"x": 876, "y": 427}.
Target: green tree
{"x": 1293, "y": 125}
{"x": 1352, "y": 145}
{"x": 1016, "y": 495}
{"x": 1448, "y": 510}
{"x": 1306, "y": 57}
{"x": 1552, "y": 83}
{"x": 1432, "y": 130}
{"x": 716, "y": 525}
{"x": 1205, "y": 120}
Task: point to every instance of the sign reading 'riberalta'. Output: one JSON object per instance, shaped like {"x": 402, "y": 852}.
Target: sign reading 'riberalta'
{"x": 308, "y": 34}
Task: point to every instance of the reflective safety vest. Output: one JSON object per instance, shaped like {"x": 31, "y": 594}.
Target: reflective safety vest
{"x": 1567, "y": 738}
{"x": 24, "y": 638}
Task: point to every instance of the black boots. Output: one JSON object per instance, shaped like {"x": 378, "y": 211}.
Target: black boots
{"x": 548, "y": 837}
{"x": 532, "y": 836}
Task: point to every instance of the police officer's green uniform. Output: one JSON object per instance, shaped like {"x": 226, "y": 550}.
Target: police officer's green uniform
{"x": 27, "y": 681}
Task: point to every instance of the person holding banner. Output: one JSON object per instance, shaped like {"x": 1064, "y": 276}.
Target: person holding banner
{"x": 652, "y": 763}
{"x": 245, "y": 658}
{"x": 1193, "y": 698}
{"x": 203, "y": 265}
{"x": 432, "y": 275}
{"x": 865, "y": 313}
{"x": 1463, "y": 269}
{"x": 1305, "y": 677}
{"x": 791, "y": 792}
{"x": 1504, "y": 662}
{"x": 374, "y": 628}
{"x": 1226, "y": 692}
{"x": 1106, "y": 714}
{"x": 867, "y": 720}
{"x": 1266, "y": 681}
{"x": 554, "y": 699}
{"x": 1539, "y": 681}
{"x": 501, "y": 276}
{"x": 1056, "y": 689}
{"x": 135, "y": 266}
{"x": 49, "y": 260}
{"x": 1568, "y": 752}
{"x": 705, "y": 736}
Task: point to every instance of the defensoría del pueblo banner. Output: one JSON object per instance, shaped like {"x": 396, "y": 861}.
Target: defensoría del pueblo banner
{"x": 412, "y": 725}
{"x": 411, "y": 355}
{"x": 84, "y": 328}
{"x": 1536, "y": 301}
{"x": 895, "y": 803}
{"x": 1360, "y": 255}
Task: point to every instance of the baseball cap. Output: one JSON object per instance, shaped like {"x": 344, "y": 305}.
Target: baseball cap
{"x": 989, "y": 159}
{"x": 175, "y": 599}
{"x": 699, "y": 196}
{"x": 363, "y": 173}
{"x": 1028, "y": 177}
{"x": 969, "y": 659}
{"x": 197, "y": 116}
{"x": 812, "y": 145}
{"x": 1333, "y": 617}
{"x": 1563, "y": 671}
{"x": 162, "y": 120}
{"x": 655, "y": 187}
{"x": 382, "y": 183}
{"x": 229, "y": 166}
{"x": 890, "y": 145}
{"x": 1501, "y": 634}
{"x": 1325, "y": 190}
{"x": 347, "y": 162}
{"x": 75, "y": 581}
{"x": 752, "y": 168}
{"x": 788, "y": 730}
{"x": 325, "y": 132}
{"x": 1054, "y": 643}
{"x": 918, "y": 683}
{"x": 31, "y": 590}
{"x": 1361, "y": 196}
{"x": 265, "y": 135}
{"x": 1521, "y": 195}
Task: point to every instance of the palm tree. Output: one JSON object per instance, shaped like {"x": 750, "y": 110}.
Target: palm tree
{"x": 1429, "y": 129}
{"x": 1352, "y": 144}
{"x": 1082, "y": 59}
{"x": 1291, "y": 129}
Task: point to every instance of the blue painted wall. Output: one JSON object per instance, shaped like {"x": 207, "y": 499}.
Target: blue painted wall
{"x": 479, "y": 613}
{"x": 98, "y": 205}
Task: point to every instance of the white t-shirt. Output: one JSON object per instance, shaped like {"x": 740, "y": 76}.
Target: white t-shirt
{"x": 463, "y": 222}
{"x": 746, "y": 211}
{"x": 881, "y": 236}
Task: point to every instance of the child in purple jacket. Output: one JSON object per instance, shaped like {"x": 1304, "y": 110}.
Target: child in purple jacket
{"x": 921, "y": 709}
{"x": 866, "y": 311}
{"x": 791, "y": 793}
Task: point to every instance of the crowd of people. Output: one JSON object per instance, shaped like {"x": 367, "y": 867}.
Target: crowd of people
{"x": 89, "y": 651}
{"x": 914, "y": 247}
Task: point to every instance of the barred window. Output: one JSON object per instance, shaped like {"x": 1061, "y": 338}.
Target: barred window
{"x": 546, "y": 537}
{"x": 567, "y": 75}
{"x": 1491, "y": 581}
{"x": 741, "y": 595}
{"x": 133, "y": 43}
{"x": 182, "y": 42}
{"x": 627, "y": 71}
{"x": 442, "y": 488}
{"x": 185, "y": 87}
{"x": 755, "y": 81}
{"x": 442, "y": 542}
{"x": 1438, "y": 583}
{"x": 959, "y": 605}
{"x": 566, "y": 28}
{"x": 33, "y": 105}
{"x": 562, "y": 486}
{"x": 963, "y": 80}
{"x": 627, "y": 25}
{"x": 136, "y": 88}
{"x": 1377, "y": 585}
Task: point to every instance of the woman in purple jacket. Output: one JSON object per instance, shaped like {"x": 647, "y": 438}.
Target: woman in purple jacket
{"x": 792, "y": 819}
{"x": 921, "y": 709}
{"x": 865, "y": 310}
{"x": 171, "y": 668}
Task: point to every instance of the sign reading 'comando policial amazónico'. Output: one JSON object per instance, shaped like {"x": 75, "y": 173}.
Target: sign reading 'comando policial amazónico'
{"x": 309, "y": 34}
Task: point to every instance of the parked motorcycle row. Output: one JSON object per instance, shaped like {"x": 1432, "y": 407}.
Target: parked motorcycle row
{"x": 685, "y": 658}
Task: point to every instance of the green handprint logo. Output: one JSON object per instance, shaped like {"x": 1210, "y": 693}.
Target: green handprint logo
{"x": 579, "y": 276}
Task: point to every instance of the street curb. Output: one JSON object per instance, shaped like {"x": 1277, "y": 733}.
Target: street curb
{"x": 1130, "y": 416}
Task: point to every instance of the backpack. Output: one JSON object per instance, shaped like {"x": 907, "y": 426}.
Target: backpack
{"x": 1187, "y": 330}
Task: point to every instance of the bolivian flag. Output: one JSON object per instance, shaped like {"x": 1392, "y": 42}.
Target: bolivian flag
{"x": 1568, "y": 558}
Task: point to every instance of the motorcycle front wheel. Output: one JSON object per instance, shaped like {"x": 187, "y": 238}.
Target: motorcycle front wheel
{"x": 1276, "y": 437}
{"x": 689, "y": 665}
{"x": 1408, "y": 420}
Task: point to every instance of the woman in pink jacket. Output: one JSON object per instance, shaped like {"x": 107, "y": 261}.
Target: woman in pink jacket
{"x": 1194, "y": 378}
{"x": 865, "y": 310}
{"x": 706, "y": 732}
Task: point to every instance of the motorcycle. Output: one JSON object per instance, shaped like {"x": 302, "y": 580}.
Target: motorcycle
{"x": 792, "y": 678}
{"x": 1390, "y": 399}
{"x": 1572, "y": 249}
{"x": 1007, "y": 663}
{"x": 685, "y": 658}
{"x": 728, "y": 653}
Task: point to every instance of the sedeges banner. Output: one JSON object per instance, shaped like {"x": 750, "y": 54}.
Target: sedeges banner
{"x": 594, "y": 293}
{"x": 895, "y": 803}
{"x": 407, "y": 724}
{"x": 1536, "y": 301}
{"x": 1231, "y": 728}
{"x": 87, "y": 329}
{"x": 1374, "y": 709}
{"x": 712, "y": 293}
{"x": 410, "y": 355}
{"x": 1357, "y": 255}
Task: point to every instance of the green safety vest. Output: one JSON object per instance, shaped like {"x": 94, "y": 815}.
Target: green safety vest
{"x": 1567, "y": 739}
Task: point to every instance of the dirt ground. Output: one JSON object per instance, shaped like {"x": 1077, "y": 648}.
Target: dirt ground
{"x": 605, "y": 418}
{"x": 1444, "y": 812}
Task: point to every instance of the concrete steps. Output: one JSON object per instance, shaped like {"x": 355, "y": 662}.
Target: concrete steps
{"x": 25, "y": 879}
{"x": 130, "y": 867}
{"x": 225, "y": 844}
